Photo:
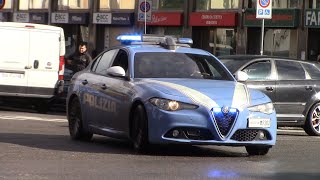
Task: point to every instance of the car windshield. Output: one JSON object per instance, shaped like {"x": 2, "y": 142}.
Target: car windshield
{"x": 178, "y": 65}
{"x": 232, "y": 64}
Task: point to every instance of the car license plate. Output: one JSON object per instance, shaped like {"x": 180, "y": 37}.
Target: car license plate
{"x": 259, "y": 122}
{"x": 11, "y": 75}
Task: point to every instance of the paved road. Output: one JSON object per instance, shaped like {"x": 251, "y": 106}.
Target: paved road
{"x": 35, "y": 146}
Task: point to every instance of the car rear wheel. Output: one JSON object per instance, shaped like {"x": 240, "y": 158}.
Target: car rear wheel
{"x": 76, "y": 130}
{"x": 140, "y": 129}
{"x": 257, "y": 150}
{"x": 312, "y": 123}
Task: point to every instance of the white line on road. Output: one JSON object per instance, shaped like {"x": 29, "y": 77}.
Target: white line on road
{"x": 28, "y": 118}
{"x": 290, "y": 130}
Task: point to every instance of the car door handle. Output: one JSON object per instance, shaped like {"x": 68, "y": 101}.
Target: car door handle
{"x": 84, "y": 82}
{"x": 308, "y": 88}
{"x": 103, "y": 86}
{"x": 269, "y": 88}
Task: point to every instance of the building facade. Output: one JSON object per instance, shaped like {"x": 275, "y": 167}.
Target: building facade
{"x": 219, "y": 26}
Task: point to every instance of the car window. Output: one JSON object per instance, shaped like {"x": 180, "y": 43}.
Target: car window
{"x": 312, "y": 70}
{"x": 95, "y": 63}
{"x": 105, "y": 61}
{"x": 258, "y": 70}
{"x": 290, "y": 70}
{"x": 233, "y": 64}
{"x": 121, "y": 60}
{"x": 178, "y": 65}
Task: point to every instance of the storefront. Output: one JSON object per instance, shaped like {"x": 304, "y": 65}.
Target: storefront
{"x": 165, "y": 23}
{"x": 281, "y": 36}
{"x": 32, "y": 17}
{"x": 214, "y": 31}
{"x": 75, "y": 26}
{"x": 312, "y": 22}
{"x": 109, "y": 26}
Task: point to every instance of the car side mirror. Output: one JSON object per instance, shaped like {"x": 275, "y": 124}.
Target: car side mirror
{"x": 241, "y": 76}
{"x": 116, "y": 71}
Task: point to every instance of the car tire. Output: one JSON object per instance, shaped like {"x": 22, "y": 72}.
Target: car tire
{"x": 139, "y": 130}
{"x": 312, "y": 123}
{"x": 257, "y": 150}
{"x": 76, "y": 130}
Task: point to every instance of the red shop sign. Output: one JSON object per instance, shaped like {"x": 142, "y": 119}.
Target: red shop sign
{"x": 213, "y": 19}
{"x": 166, "y": 19}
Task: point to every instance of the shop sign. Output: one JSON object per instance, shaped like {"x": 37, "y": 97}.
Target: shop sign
{"x": 312, "y": 18}
{"x": 60, "y": 18}
{"x": 166, "y": 19}
{"x": 102, "y": 18}
{"x": 21, "y": 17}
{"x": 40, "y": 18}
{"x": 4, "y": 17}
{"x": 280, "y": 18}
{"x": 122, "y": 18}
{"x": 78, "y": 18}
{"x": 213, "y": 19}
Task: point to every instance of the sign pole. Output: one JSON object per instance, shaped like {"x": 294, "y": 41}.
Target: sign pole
{"x": 262, "y": 37}
{"x": 145, "y": 16}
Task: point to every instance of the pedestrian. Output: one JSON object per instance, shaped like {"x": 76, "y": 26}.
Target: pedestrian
{"x": 80, "y": 59}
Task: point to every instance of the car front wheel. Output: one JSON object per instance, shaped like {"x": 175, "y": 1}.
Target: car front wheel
{"x": 312, "y": 124}
{"x": 257, "y": 150}
{"x": 76, "y": 130}
{"x": 140, "y": 129}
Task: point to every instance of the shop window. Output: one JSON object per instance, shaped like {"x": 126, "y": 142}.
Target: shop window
{"x": 175, "y": 31}
{"x": 223, "y": 41}
{"x": 116, "y": 4}
{"x": 170, "y": 4}
{"x": 8, "y": 4}
{"x": 216, "y": 4}
{"x": 280, "y": 42}
{"x": 33, "y": 4}
{"x": 278, "y": 3}
{"x": 315, "y": 4}
{"x": 73, "y": 4}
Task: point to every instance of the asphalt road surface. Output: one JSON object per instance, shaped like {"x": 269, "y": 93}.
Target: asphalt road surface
{"x": 37, "y": 146}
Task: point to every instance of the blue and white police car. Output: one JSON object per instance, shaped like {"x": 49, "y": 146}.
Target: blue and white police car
{"x": 159, "y": 90}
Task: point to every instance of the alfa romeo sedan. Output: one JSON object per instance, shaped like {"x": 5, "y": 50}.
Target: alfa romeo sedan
{"x": 158, "y": 90}
{"x": 292, "y": 85}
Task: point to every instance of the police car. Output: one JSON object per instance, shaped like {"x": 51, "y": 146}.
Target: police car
{"x": 159, "y": 90}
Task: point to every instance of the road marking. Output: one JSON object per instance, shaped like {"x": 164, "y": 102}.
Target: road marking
{"x": 290, "y": 130}
{"x": 28, "y": 118}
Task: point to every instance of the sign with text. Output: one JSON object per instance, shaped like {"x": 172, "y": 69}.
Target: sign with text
{"x": 312, "y": 18}
{"x": 213, "y": 19}
{"x": 145, "y": 8}
{"x": 102, "y": 18}
{"x": 59, "y": 17}
{"x": 4, "y": 17}
{"x": 39, "y": 18}
{"x": 166, "y": 19}
{"x": 21, "y": 17}
{"x": 264, "y": 9}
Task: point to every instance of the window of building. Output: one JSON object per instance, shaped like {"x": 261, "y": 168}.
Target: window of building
{"x": 170, "y": 4}
{"x": 33, "y": 4}
{"x": 73, "y": 4}
{"x": 314, "y": 4}
{"x": 279, "y": 3}
{"x": 8, "y": 4}
{"x": 223, "y": 41}
{"x": 116, "y": 4}
{"x": 175, "y": 31}
{"x": 216, "y": 4}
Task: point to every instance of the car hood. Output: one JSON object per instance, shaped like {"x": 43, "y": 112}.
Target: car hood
{"x": 209, "y": 93}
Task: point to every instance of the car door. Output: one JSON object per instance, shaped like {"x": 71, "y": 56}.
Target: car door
{"x": 116, "y": 90}
{"x": 92, "y": 97}
{"x": 261, "y": 76}
{"x": 293, "y": 89}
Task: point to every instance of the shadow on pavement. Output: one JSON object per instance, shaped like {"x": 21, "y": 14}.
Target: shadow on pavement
{"x": 101, "y": 144}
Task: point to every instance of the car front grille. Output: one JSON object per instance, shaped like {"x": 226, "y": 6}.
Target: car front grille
{"x": 224, "y": 119}
{"x": 249, "y": 135}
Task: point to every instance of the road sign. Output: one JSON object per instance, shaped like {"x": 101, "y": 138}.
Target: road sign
{"x": 2, "y": 3}
{"x": 264, "y": 9}
{"x": 145, "y": 8}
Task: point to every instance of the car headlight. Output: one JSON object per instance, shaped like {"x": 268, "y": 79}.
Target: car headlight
{"x": 263, "y": 108}
{"x": 171, "y": 105}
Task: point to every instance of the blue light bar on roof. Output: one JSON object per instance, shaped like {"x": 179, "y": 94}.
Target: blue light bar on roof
{"x": 185, "y": 41}
{"x": 129, "y": 38}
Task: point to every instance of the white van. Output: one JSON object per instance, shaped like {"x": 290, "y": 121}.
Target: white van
{"x": 31, "y": 62}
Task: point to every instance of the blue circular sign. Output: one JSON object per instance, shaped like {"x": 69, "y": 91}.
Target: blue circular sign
{"x": 145, "y": 7}
{"x": 264, "y": 3}
{"x": 2, "y": 3}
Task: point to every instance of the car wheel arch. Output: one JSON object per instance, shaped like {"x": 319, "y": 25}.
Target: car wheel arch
{"x": 133, "y": 106}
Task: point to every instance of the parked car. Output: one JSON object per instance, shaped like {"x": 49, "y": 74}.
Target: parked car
{"x": 158, "y": 90}
{"x": 292, "y": 85}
